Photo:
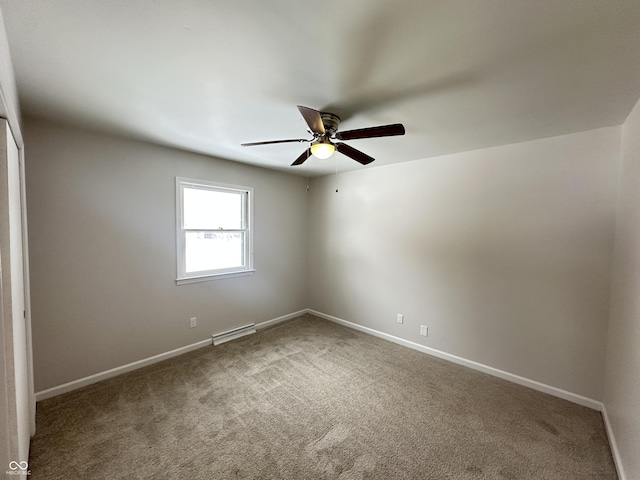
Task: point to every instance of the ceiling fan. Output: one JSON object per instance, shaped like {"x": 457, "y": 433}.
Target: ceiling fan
{"x": 324, "y": 128}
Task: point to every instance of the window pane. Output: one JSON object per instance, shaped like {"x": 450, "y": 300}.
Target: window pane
{"x": 211, "y": 209}
{"x": 213, "y": 250}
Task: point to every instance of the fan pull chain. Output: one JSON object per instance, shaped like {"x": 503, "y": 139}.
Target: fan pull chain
{"x": 336, "y": 158}
{"x": 306, "y": 167}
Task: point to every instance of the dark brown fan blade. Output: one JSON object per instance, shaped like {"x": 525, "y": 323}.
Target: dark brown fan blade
{"x": 371, "y": 132}
{"x": 357, "y": 155}
{"x": 252, "y": 144}
{"x": 302, "y": 158}
{"x": 313, "y": 119}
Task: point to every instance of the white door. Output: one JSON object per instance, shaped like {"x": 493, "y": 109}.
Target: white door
{"x": 16, "y": 365}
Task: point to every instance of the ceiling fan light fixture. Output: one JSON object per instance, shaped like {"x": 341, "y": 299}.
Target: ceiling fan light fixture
{"x": 322, "y": 150}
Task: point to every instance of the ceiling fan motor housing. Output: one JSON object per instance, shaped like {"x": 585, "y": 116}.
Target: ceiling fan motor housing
{"x": 330, "y": 122}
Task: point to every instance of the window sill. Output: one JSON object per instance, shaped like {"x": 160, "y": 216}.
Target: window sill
{"x": 214, "y": 276}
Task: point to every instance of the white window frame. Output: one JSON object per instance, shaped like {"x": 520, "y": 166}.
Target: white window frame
{"x": 247, "y": 192}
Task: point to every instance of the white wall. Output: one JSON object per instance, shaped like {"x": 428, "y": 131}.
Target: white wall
{"x": 622, "y": 384}
{"x": 103, "y": 260}
{"x": 504, "y": 253}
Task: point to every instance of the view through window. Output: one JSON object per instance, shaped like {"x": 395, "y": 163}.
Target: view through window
{"x": 214, "y": 229}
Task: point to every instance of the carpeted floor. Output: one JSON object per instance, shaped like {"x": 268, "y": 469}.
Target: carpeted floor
{"x": 309, "y": 399}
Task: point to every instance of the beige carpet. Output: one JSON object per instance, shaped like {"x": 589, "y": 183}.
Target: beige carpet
{"x": 308, "y": 399}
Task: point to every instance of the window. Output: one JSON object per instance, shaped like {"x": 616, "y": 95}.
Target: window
{"x": 213, "y": 230}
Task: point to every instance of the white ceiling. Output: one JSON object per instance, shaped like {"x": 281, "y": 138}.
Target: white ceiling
{"x": 205, "y": 75}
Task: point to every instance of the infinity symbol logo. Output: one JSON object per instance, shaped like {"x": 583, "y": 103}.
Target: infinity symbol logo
{"x": 13, "y": 465}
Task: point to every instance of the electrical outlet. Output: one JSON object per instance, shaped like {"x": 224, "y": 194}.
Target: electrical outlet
{"x": 424, "y": 330}
{"x": 400, "y": 318}
{"x": 194, "y": 322}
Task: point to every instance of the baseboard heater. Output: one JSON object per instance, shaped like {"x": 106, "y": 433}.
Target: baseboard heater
{"x": 233, "y": 334}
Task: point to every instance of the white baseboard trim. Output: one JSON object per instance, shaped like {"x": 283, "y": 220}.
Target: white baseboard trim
{"x": 83, "y": 382}
{"x": 283, "y": 318}
{"x": 617, "y": 460}
{"x": 97, "y": 377}
{"x": 556, "y": 392}
{"x": 91, "y": 379}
